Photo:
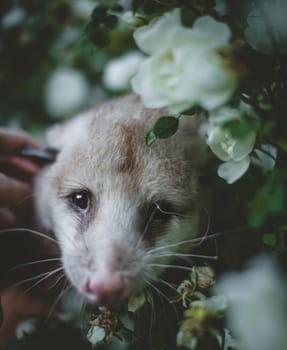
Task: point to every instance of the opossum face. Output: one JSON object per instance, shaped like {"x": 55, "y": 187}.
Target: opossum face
{"x": 118, "y": 208}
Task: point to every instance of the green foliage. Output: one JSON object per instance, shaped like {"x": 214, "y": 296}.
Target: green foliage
{"x": 277, "y": 242}
{"x": 268, "y": 201}
{"x": 165, "y": 127}
{"x": 102, "y": 21}
{"x": 51, "y": 335}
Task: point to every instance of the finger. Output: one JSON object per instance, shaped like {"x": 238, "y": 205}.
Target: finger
{"x": 7, "y": 219}
{"x": 12, "y": 191}
{"x": 17, "y": 167}
{"x": 12, "y": 141}
{"x": 1, "y": 312}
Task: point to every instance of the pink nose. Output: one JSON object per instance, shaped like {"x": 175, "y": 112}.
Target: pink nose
{"x": 111, "y": 288}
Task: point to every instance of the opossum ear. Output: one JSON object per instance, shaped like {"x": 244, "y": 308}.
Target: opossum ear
{"x": 62, "y": 134}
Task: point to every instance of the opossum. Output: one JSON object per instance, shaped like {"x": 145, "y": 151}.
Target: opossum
{"x": 119, "y": 209}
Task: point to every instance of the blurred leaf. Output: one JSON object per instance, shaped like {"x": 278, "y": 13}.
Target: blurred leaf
{"x": 99, "y": 36}
{"x": 99, "y": 14}
{"x": 269, "y": 239}
{"x": 276, "y": 241}
{"x": 270, "y": 199}
{"x": 111, "y": 21}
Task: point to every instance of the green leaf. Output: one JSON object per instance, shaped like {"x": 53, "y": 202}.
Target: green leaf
{"x": 150, "y": 138}
{"x": 98, "y": 36}
{"x": 99, "y": 14}
{"x": 165, "y": 127}
{"x": 111, "y": 21}
{"x": 187, "y": 17}
{"x": 268, "y": 201}
{"x": 269, "y": 239}
{"x": 135, "y": 5}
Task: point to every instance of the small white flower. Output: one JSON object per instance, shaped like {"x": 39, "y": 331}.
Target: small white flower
{"x": 232, "y": 149}
{"x": 119, "y": 71}
{"x": 227, "y": 147}
{"x": 96, "y": 335}
{"x": 83, "y": 8}
{"x": 66, "y": 91}
{"x": 216, "y": 303}
{"x": 257, "y": 304}
{"x": 184, "y": 67}
{"x": 25, "y": 327}
{"x": 13, "y": 18}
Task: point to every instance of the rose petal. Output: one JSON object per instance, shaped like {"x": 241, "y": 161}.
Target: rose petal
{"x": 156, "y": 34}
{"x": 231, "y": 171}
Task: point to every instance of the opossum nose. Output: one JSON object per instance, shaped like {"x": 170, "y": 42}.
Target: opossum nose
{"x": 111, "y": 288}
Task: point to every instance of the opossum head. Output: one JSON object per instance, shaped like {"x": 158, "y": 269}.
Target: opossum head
{"x": 117, "y": 207}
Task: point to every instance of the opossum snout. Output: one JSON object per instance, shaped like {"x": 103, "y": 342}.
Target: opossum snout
{"x": 111, "y": 288}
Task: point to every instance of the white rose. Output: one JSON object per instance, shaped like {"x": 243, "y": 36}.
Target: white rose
{"x": 256, "y": 305}
{"x": 228, "y": 147}
{"x": 233, "y": 149}
{"x": 119, "y": 71}
{"x": 66, "y": 91}
{"x": 184, "y": 67}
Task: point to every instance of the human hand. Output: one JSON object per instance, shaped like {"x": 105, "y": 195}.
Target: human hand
{"x": 16, "y": 175}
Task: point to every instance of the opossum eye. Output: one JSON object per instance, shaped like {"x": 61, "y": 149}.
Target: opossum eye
{"x": 163, "y": 210}
{"x": 157, "y": 215}
{"x": 80, "y": 200}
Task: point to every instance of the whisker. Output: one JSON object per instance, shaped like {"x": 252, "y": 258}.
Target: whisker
{"x": 33, "y": 263}
{"x": 29, "y": 231}
{"x": 159, "y": 279}
{"x": 63, "y": 292}
{"x": 29, "y": 279}
{"x": 153, "y": 316}
{"x": 160, "y": 294}
{"x": 199, "y": 239}
{"x": 164, "y": 296}
{"x": 58, "y": 280}
{"x": 24, "y": 199}
{"x": 180, "y": 267}
{"x": 49, "y": 274}
{"x": 168, "y": 284}
{"x": 148, "y": 222}
{"x": 208, "y": 257}
{"x": 206, "y": 230}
